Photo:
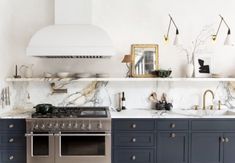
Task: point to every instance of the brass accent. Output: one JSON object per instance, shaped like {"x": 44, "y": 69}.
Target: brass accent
{"x": 211, "y": 107}
{"x": 173, "y": 135}
{"x": 222, "y": 140}
{"x": 219, "y": 105}
{"x": 11, "y": 126}
{"x": 133, "y": 157}
{"x": 173, "y": 125}
{"x": 196, "y": 107}
{"x": 133, "y": 59}
{"x": 133, "y": 125}
{"x": 133, "y": 140}
{"x": 204, "y": 97}
{"x": 226, "y": 140}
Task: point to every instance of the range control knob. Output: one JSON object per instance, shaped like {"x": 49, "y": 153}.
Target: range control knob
{"x": 43, "y": 126}
{"x": 49, "y": 125}
{"x": 70, "y": 125}
{"x": 99, "y": 126}
{"x": 62, "y": 125}
{"x": 83, "y": 127}
{"x": 75, "y": 125}
{"x": 89, "y": 126}
{"x": 56, "y": 125}
{"x": 36, "y": 126}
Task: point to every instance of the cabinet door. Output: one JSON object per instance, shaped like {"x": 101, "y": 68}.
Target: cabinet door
{"x": 172, "y": 147}
{"x": 206, "y": 148}
{"x": 229, "y": 148}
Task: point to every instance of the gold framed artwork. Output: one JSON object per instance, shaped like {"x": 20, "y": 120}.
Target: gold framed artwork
{"x": 145, "y": 59}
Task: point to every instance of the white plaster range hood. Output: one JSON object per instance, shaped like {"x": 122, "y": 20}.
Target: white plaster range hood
{"x": 73, "y": 35}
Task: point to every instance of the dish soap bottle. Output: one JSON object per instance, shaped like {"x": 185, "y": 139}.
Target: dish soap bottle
{"x": 123, "y": 101}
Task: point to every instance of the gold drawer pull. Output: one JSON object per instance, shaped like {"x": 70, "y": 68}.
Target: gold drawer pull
{"x": 173, "y": 125}
{"x": 134, "y": 126}
{"x": 133, "y": 140}
{"x": 11, "y": 140}
{"x": 222, "y": 140}
{"x": 11, "y": 157}
{"x": 173, "y": 135}
{"x": 226, "y": 140}
{"x": 11, "y": 126}
{"x": 133, "y": 157}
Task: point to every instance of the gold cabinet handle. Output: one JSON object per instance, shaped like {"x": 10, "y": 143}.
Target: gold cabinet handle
{"x": 133, "y": 157}
{"x": 134, "y": 126}
{"x": 133, "y": 140}
{"x": 11, "y": 140}
{"x": 11, "y": 157}
{"x": 11, "y": 126}
{"x": 226, "y": 140}
{"x": 173, "y": 125}
{"x": 173, "y": 135}
{"x": 222, "y": 140}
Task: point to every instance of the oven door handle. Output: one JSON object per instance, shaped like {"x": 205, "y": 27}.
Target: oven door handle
{"x": 32, "y": 135}
{"x": 107, "y": 134}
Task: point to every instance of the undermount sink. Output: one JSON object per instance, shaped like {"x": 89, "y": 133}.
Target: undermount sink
{"x": 205, "y": 113}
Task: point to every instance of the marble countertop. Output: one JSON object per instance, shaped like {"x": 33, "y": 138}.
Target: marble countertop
{"x": 16, "y": 114}
{"x": 137, "y": 113}
{"x": 148, "y": 113}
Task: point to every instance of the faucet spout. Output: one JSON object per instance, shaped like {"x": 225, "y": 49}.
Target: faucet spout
{"x": 204, "y": 97}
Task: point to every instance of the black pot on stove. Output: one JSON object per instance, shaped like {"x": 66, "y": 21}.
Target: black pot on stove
{"x": 44, "y": 108}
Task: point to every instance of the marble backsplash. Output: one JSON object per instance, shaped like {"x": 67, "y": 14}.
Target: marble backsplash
{"x": 183, "y": 95}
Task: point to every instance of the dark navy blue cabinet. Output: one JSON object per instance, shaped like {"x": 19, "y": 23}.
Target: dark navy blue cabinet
{"x": 172, "y": 147}
{"x": 12, "y": 141}
{"x": 206, "y": 148}
{"x": 213, "y": 141}
{"x": 173, "y": 141}
{"x": 133, "y": 141}
{"x": 229, "y": 148}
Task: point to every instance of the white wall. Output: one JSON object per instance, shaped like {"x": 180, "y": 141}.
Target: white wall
{"x": 128, "y": 22}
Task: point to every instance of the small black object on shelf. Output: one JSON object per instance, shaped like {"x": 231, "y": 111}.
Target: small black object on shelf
{"x": 16, "y": 73}
{"x": 161, "y": 73}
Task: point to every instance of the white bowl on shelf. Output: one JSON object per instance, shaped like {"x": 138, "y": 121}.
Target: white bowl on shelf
{"x": 63, "y": 74}
{"x": 83, "y": 75}
{"x": 48, "y": 75}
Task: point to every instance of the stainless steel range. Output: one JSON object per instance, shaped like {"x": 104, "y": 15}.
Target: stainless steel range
{"x": 69, "y": 135}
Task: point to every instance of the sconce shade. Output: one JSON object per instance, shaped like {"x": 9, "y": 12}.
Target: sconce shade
{"x": 176, "y": 41}
{"x": 126, "y": 59}
{"x": 227, "y": 41}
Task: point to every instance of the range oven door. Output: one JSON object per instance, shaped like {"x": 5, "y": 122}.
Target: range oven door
{"x": 40, "y": 147}
{"x": 83, "y": 147}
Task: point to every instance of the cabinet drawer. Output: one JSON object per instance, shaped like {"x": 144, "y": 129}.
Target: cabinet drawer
{"x": 12, "y": 125}
{"x": 133, "y": 125}
{"x": 213, "y": 125}
{"x": 173, "y": 125}
{"x": 133, "y": 139}
{"x": 12, "y": 140}
{"x": 14, "y": 156}
{"x": 130, "y": 155}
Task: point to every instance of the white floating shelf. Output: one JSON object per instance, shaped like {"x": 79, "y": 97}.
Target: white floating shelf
{"x": 121, "y": 79}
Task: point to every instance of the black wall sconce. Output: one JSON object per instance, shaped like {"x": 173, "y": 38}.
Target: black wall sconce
{"x": 166, "y": 37}
{"x": 227, "y": 40}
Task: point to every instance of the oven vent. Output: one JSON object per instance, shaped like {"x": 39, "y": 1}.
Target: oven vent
{"x": 75, "y": 57}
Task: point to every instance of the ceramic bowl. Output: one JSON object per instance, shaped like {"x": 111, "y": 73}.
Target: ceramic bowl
{"x": 83, "y": 75}
{"x": 47, "y": 75}
{"x": 162, "y": 73}
{"x": 63, "y": 74}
